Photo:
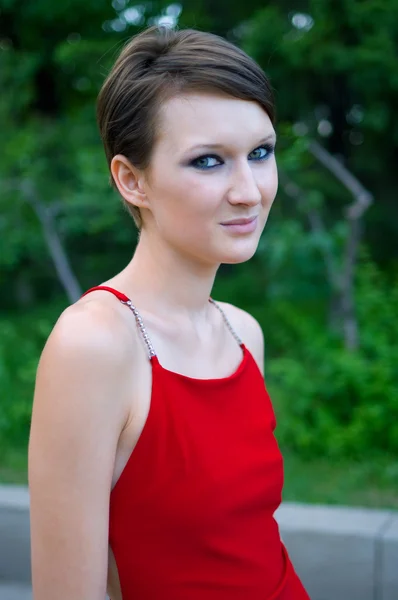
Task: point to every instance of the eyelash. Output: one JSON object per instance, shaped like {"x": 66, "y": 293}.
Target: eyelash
{"x": 268, "y": 147}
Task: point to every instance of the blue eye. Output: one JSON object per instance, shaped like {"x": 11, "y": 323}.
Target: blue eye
{"x": 261, "y": 153}
{"x": 206, "y": 162}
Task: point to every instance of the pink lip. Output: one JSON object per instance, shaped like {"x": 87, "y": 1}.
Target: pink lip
{"x": 241, "y": 225}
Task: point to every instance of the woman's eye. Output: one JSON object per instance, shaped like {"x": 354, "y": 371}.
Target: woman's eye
{"x": 205, "y": 162}
{"x": 261, "y": 153}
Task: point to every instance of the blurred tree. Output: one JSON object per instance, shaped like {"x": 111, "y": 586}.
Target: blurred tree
{"x": 335, "y": 70}
{"x": 53, "y": 175}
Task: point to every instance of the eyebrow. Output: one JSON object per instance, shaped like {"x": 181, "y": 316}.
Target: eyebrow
{"x": 269, "y": 138}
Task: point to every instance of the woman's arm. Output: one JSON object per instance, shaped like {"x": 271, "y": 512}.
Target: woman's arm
{"x": 80, "y": 408}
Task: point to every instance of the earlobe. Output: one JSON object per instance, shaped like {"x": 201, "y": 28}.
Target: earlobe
{"x": 129, "y": 181}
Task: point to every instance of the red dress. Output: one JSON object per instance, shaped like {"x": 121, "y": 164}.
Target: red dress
{"x": 191, "y": 516}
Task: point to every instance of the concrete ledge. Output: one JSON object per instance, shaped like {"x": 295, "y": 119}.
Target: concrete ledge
{"x": 336, "y": 550}
{"x": 340, "y": 553}
{"x": 15, "y": 497}
{"x": 388, "y": 581}
{"x": 14, "y": 534}
{"x": 15, "y": 592}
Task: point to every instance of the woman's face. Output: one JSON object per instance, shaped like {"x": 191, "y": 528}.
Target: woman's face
{"x": 212, "y": 178}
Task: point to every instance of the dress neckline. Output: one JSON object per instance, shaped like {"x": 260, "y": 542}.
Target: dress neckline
{"x": 199, "y": 380}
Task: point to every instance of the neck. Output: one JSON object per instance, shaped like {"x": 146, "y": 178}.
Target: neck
{"x": 164, "y": 281}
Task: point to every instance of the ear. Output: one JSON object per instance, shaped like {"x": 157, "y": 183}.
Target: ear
{"x": 129, "y": 181}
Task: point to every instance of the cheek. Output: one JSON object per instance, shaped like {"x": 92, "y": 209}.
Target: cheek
{"x": 186, "y": 205}
{"x": 269, "y": 184}
{"x": 198, "y": 194}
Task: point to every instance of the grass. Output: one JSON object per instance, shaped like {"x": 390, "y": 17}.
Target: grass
{"x": 14, "y": 466}
{"x": 369, "y": 483}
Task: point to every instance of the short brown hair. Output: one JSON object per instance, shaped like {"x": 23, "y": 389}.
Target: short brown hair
{"x": 160, "y": 63}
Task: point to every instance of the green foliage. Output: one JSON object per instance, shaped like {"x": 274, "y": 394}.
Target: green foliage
{"x": 331, "y": 401}
{"x": 335, "y": 73}
{"x": 22, "y": 339}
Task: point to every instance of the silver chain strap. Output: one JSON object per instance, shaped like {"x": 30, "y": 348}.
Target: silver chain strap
{"x": 141, "y": 326}
{"x": 226, "y": 321}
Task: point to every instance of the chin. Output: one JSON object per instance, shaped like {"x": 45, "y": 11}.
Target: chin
{"x": 239, "y": 255}
{"x": 239, "y": 249}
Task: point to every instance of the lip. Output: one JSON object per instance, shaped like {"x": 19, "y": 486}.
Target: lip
{"x": 240, "y": 226}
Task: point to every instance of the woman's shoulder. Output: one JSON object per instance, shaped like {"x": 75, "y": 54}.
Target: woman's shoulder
{"x": 89, "y": 348}
{"x": 96, "y": 325}
{"x": 248, "y": 329}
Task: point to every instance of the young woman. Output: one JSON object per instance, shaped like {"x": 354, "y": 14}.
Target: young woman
{"x": 154, "y": 471}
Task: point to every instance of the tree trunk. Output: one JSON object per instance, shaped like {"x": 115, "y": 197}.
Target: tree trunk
{"x": 54, "y": 244}
{"x": 354, "y": 214}
{"x": 341, "y": 280}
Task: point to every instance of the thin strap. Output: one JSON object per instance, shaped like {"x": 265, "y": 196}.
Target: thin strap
{"x": 226, "y": 321}
{"x": 125, "y": 300}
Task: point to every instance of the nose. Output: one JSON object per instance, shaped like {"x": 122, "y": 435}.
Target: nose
{"x": 244, "y": 188}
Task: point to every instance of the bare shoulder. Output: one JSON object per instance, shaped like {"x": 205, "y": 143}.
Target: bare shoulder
{"x": 79, "y": 410}
{"x": 248, "y": 329}
{"x": 83, "y": 372}
{"x": 91, "y": 328}
{"x": 89, "y": 338}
